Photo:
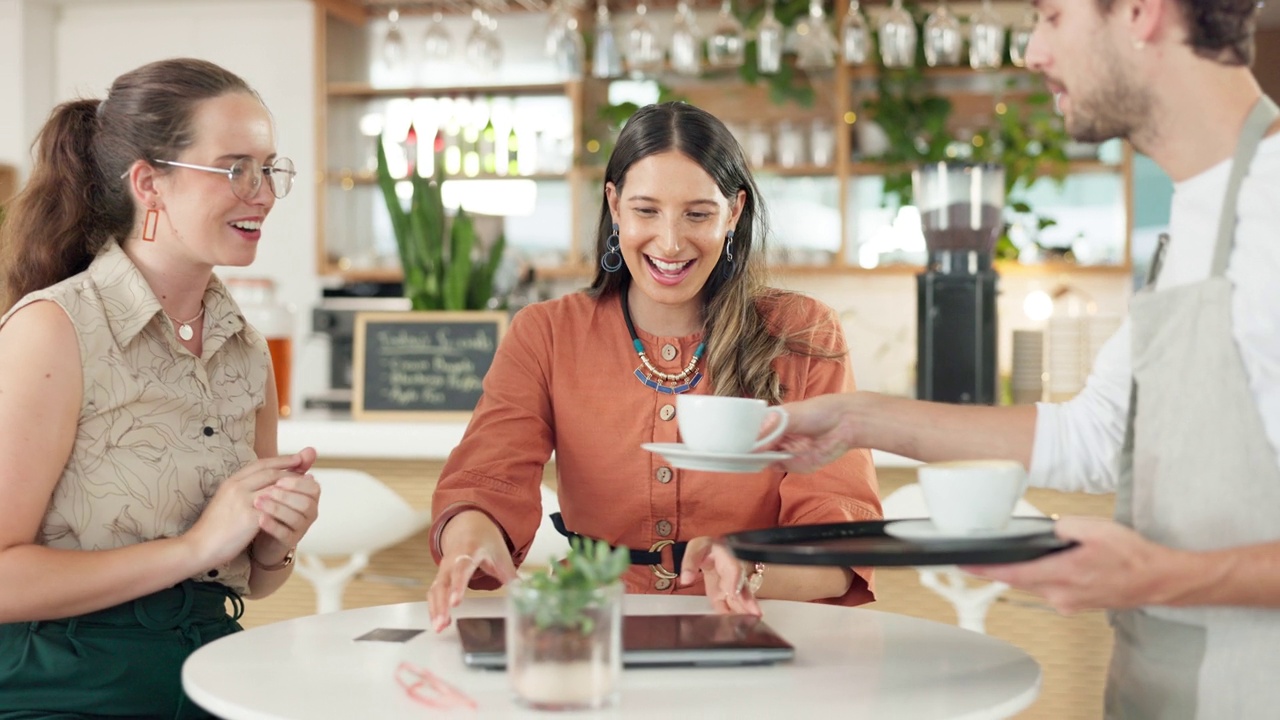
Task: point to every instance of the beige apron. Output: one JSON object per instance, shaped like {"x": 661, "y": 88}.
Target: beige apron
{"x": 1197, "y": 473}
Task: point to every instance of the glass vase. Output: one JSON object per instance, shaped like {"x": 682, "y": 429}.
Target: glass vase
{"x": 564, "y": 646}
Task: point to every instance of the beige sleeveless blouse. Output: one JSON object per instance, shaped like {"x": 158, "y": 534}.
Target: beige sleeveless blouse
{"x": 159, "y": 428}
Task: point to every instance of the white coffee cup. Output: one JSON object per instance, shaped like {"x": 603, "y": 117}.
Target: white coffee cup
{"x": 968, "y": 496}
{"x": 728, "y": 425}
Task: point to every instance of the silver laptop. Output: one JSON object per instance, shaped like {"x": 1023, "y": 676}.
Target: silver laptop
{"x": 653, "y": 641}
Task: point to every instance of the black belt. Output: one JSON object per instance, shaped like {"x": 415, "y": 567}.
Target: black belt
{"x": 651, "y": 557}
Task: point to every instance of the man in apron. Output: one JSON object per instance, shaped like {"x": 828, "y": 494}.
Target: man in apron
{"x": 1181, "y": 417}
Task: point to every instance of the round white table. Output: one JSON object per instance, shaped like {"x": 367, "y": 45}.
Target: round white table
{"x": 848, "y": 663}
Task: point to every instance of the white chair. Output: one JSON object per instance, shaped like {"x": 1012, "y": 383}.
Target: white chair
{"x": 548, "y": 545}
{"x": 358, "y": 516}
{"x": 971, "y": 603}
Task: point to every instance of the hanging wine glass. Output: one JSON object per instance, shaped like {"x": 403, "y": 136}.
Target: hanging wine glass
{"x": 483, "y": 51}
{"x": 816, "y": 46}
{"x": 986, "y": 38}
{"x": 769, "y": 38}
{"x": 855, "y": 35}
{"x": 644, "y": 55}
{"x": 1020, "y": 37}
{"x": 437, "y": 45}
{"x": 897, "y": 37}
{"x": 726, "y": 43}
{"x": 606, "y": 61}
{"x": 686, "y": 42}
{"x": 942, "y": 37}
{"x": 393, "y": 49}
{"x": 557, "y": 27}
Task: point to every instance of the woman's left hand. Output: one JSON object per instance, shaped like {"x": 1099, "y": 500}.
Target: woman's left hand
{"x": 723, "y": 575}
{"x": 288, "y": 509}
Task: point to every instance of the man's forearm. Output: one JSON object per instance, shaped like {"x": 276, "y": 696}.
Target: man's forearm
{"x": 934, "y": 432}
{"x": 1247, "y": 576}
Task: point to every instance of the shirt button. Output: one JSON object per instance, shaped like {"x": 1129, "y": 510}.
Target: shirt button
{"x": 666, "y": 412}
{"x": 213, "y": 573}
{"x": 664, "y": 475}
{"x": 663, "y": 528}
{"x": 661, "y": 584}
{"x": 208, "y": 431}
{"x": 669, "y": 352}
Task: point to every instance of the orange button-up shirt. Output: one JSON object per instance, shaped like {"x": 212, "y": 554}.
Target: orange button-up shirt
{"x": 564, "y": 379}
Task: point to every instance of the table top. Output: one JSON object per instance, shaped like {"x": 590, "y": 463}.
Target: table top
{"x": 337, "y": 435}
{"x": 849, "y": 663}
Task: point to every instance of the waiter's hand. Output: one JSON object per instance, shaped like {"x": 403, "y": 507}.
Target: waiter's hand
{"x": 722, "y": 574}
{"x": 469, "y": 542}
{"x": 819, "y": 431}
{"x": 1112, "y": 567}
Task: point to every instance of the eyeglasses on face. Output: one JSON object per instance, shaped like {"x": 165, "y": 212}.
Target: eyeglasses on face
{"x": 246, "y": 175}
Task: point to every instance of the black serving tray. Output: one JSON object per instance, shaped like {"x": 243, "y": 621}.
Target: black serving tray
{"x": 865, "y": 544}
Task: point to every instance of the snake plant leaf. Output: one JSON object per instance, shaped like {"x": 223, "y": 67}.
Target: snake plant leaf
{"x": 462, "y": 240}
{"x": 399, "y": 218}
{"x": 482, "y": 275}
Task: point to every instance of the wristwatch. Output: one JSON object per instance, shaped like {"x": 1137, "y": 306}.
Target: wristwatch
{"x": 286, "y": 562}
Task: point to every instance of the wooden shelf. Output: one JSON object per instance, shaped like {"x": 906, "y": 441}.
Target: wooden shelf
{"x": 348, "y": 178}
{"x": 1074, "y": 167}
{"x": 365, "y": 90}
{"x": 805, "y": 170}
{"x": 871, "y": 72}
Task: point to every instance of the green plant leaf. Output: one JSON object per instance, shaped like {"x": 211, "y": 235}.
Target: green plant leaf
{"x": 461, "y": 241}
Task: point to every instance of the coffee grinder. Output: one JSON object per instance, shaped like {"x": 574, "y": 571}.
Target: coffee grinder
{"x": 961, "y": 213}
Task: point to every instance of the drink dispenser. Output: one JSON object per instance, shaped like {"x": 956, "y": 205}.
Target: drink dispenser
{"x": 274, "y": 320}
{"x": 961, "y": 213}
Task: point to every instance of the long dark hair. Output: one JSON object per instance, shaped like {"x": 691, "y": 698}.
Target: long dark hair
{"x": 740, "y": 348}
{"x": 76, "y": 201}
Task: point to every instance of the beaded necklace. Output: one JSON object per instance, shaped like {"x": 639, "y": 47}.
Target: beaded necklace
{"x": 651, "y": 376}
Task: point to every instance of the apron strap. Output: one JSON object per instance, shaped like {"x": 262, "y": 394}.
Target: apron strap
{"x": 1264, "y": 113}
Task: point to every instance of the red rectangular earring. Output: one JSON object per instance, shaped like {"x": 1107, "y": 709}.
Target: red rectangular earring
{"x": 149, "y": 225}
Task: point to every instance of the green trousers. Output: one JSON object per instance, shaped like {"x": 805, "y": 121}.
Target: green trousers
{"x": 121, "y": 662}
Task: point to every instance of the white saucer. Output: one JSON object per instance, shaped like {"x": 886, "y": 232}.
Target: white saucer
{"x": 682, "y": 457}
{"x": 925, "y": 530}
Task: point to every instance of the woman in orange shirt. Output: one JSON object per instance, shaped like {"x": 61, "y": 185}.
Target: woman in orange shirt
{"x": 681, "y": 252}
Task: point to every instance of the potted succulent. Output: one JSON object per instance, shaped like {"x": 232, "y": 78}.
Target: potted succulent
{"x": 564, "y": 630}
{"x": 443, "y": 269}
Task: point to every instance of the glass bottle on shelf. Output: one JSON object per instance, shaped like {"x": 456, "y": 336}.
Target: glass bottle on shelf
{"x": 1020, "y": 37}
{"x": 470, "y": 150}
{"x": 513, "y": 151}
{"x": 489, "y": 146}
{"x": 453, "y": 144}
{"x": 411, "y": 151}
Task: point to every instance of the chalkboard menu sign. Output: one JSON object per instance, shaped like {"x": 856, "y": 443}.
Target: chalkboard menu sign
{"x": 422, "y": 365}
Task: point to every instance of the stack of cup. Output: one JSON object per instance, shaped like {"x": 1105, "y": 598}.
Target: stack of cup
{"x": 1027, "y": 379}
{"x": 1099, "y": 329}
{"x": 1068, "y": 347}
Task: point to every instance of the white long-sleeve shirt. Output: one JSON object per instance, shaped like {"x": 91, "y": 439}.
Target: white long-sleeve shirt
{"x": 1077, "y": 443}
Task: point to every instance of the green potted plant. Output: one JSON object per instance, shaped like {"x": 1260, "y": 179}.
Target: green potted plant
{"x": 564, "y": 630}
{"x": 443, "y": 269}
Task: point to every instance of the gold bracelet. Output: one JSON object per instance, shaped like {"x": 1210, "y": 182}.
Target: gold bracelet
{"x": 756, "y": 579}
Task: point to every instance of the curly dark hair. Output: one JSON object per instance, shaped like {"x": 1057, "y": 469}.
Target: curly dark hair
{"x": 1220, "y": 30}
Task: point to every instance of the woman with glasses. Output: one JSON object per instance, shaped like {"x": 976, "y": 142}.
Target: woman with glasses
{"x": 140, "y": 484}
{"x": 679, "y": 306}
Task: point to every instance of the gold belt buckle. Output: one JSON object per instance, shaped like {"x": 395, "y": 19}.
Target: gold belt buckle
{"x": 657, "y": 567}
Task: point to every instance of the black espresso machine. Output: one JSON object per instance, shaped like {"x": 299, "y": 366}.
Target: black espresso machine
{"x": 961, "y": 213}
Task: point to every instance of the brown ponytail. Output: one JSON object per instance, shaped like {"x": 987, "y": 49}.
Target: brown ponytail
{"x": 76, "y": 200}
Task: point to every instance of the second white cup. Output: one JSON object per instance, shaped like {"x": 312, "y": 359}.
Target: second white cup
{"x": 729, "y": 425}
{"x": 970, "y": 496}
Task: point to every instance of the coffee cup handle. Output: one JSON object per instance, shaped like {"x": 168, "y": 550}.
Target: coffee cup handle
{"x": 778, "y": 429}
